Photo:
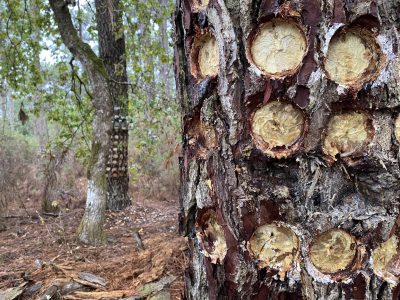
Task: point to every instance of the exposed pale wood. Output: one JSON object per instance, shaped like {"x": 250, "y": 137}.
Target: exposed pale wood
{"x": 98, "y": 295}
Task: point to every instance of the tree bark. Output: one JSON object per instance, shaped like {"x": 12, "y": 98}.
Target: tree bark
{"x": 112, "y": 52}
{"x": 269, "y": 216}
{"x": 91, "y": 227}
{"x": 53, "y": 163}
{"x": 4, "y": 112}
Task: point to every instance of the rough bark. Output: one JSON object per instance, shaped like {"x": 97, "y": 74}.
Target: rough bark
{"x": 8, "y": 111}
{"x": 50, "y": 191}
{"x": 232, "y": 184}
{"x": 11, "y": 111}
{"x": 112, "y": 52}
{"x": 4, "y": 112}
{"x": 91, "y": 227}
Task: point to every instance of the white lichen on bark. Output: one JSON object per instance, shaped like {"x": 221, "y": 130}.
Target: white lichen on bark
{"x": 91, "y": 227}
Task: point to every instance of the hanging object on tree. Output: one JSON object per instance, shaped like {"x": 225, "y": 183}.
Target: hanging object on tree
{"x": 22, "y": 116}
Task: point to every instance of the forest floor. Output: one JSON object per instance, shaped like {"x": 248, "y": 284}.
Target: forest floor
{"x": 40, "y": 257}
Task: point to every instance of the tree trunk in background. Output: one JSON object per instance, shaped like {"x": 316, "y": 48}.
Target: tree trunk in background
{"x": 3, "y": 112}
{"x": 53, "y": 163}
{"x": 8, "y": 111}
{"x": 112, "y": 52}
{"x": 11, "y": 111}
{"x": 91, "y": 227}
{"x": 165, "y": 68}
{"x": 290, "y": 164}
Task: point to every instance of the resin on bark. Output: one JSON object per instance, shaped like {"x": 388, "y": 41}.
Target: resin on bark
{"x": 397, "y": 128}
{"x": 198, "y": 5}
{"x": 383, "y": 256}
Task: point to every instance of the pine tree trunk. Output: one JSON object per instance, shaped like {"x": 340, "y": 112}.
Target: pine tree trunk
{"x": 290, "y": 164}
{"x": 112, "y": 52}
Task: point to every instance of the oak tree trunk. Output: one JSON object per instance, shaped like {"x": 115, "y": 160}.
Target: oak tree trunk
{"x": 290, "y": 165}
{"x": 112, "y": 52}
{"x": 91, "y": 227}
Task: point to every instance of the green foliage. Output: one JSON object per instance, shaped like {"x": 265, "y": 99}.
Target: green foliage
{"x": 37, "y": 70}
{"x": 154, "y": 111}
{"x": 21, "y": 26}
{"x": 69, "y": 107}
{"x": 17, "y": 154}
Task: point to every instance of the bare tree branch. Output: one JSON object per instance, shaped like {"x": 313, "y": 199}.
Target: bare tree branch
{"x": 74, "y": 43}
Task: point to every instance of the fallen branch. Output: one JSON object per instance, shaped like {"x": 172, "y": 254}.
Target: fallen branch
{"x": 97, "y": 295}
{"x": 50, "y": 214}
{"x": 12, "y": 293}
{"x": 138, "y": 239}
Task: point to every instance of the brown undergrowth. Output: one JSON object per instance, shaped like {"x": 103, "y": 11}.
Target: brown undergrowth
{"x": 38, "y": 252}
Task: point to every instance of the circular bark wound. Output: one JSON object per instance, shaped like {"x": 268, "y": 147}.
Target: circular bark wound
{"x": 198, "y": 5}
{"x": 210, "y": 138}
{"x": 347, "y": 133}
{"x": 274, "y": 246}
{"x": 212, "y": 236}
{"x": 333, "y": 251}
{"x": 397, "y": 128}
{"x": 205, "y": 56}
{"x": 277, "y": 125}
{"x": 278, "y": 47}
{"x": 383, "y": 255}
{"x": 202, "y": 137}
{"x": 353, "y": 57}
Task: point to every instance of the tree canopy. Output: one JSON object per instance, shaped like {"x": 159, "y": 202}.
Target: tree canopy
{"x": 39, "y": 74}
